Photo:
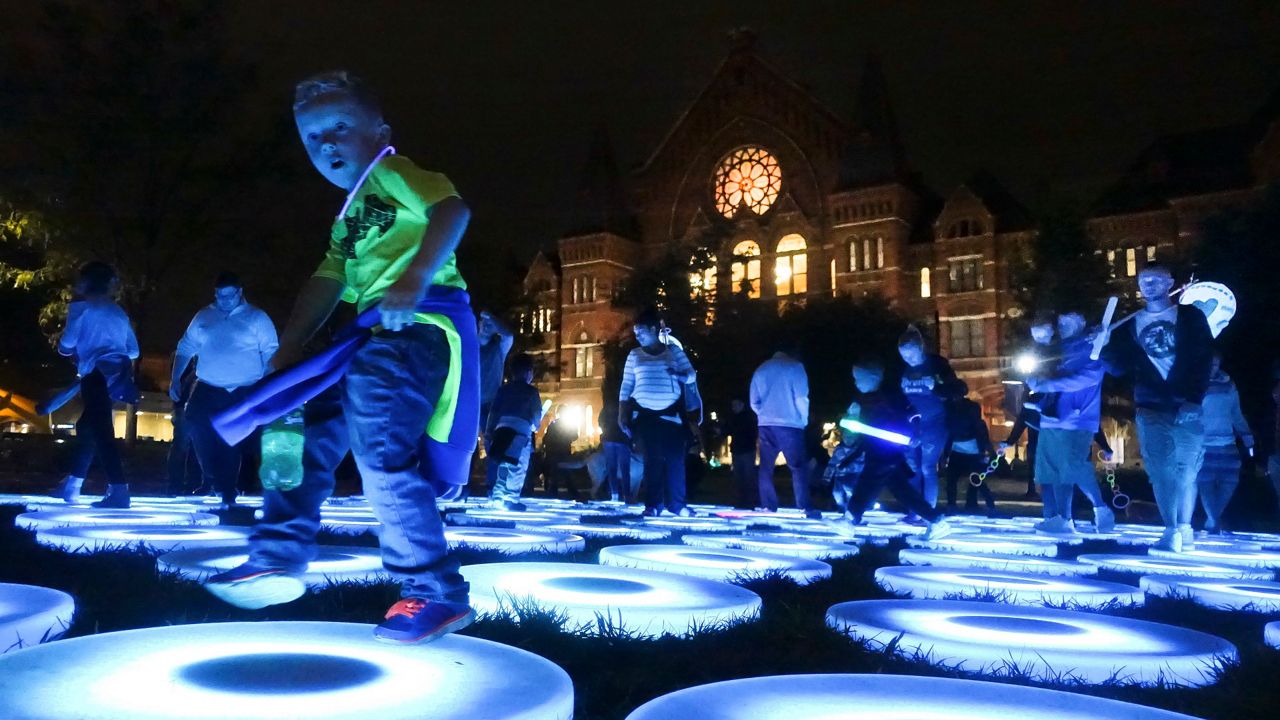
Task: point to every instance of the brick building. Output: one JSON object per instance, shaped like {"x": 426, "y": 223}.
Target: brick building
{"x": 796, "y": 200}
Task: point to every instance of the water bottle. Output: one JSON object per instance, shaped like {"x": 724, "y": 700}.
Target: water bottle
{"x": 281, "y": 467}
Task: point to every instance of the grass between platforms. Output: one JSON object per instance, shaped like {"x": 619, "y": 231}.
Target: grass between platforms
{"x": 613, "y": 673}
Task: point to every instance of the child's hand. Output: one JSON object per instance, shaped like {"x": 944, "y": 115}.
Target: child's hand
{"x": 400, "y": 302}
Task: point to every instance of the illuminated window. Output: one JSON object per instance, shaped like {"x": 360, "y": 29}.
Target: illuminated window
{"x": 968, "y": 338}
{"x": 747, "y": 177}
{"x": 584, "y": 362}
{"x": 834, "y": 290}
{"x": 1113, "y": 270}
{"x": 966, "y": 274}
{"x": 1130, "y": 262}
{"x": 703, "y": 283}
{"x": 791, "y": 267}
{"x": 925, "y": 290}
{"x": 1151, "y": 253}
{"x": 745, "y": 271}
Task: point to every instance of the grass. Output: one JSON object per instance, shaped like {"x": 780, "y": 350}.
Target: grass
{"x": 612, "y": 672}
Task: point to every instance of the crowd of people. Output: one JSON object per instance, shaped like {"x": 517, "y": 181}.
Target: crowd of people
{"x": 408, "y": 385}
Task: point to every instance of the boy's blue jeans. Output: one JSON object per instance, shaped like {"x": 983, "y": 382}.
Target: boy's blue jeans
{"x": 386, "y": 399}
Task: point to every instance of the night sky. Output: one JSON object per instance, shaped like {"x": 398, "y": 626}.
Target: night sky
{"x": 1053, "y": 97}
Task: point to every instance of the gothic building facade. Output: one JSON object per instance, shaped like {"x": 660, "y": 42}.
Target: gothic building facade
{"x": 796, "y": 200}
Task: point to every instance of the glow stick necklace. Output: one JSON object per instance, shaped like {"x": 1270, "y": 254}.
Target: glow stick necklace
{"x": 351, "y": 196}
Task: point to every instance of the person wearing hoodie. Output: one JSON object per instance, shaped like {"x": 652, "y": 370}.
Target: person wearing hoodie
{"x": 1167, "y": 350}
{"x": 1223, "y": 423}
{"x": 928, "y": 383}
{"x": 780, "y": 399}
{"x": 1071, "y": 383}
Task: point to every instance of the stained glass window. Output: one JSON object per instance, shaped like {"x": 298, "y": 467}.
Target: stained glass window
{"x": 748, "y": 177}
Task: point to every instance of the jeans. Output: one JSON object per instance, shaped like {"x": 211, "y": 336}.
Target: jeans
{"x": 1217, "y": 481}
{"x": 959, "y": 467}
{"x": 875, "y": 478}
{"x": 510, "y": 476}
{"x": 746, "y": 479}
{"x": 663, "y": 446}
{"x": 789, "y": 442}
{"x": 219, "y": 461}
{"x": 388, "y": 395}
{"x": 95, "y": 432}
{"x": 1172, "y": 453}
{"x": 179, "y": 463}
{"x": 617, "y": 468}
{"x": 923, "y": 460}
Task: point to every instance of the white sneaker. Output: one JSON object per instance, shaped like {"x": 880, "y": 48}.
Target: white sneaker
{"x": 1170, "y": 541}
{"x": 1104, "y": 521}
{"x": 1188, "y": 538}
{"x": 1057, "y": 525}
{"x": 938, "y": 530}
{"x": 1040, "y": 526}
{"x": 68, "y": 489}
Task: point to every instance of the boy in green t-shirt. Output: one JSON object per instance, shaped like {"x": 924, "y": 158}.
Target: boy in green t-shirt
{"x": 392, "y": 247}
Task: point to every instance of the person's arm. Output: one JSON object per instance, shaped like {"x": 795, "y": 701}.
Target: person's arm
{"x": 624, "y": 394}
{"x": 315, "y": 303}
{"x": 1195, "y": 350}
{"x": 71, "y": 330}
{"x": 754, "y": 398}
{"x": 802, "y": 395}
{"x": 948, "y": 385}
{"x": 449, "y": 220}
{"x": 1082, "y": 378}
{"x": 268, "y": 341}
{"x": 1019, "y": 427}
{"x": 188, "y": 347}
{"x": 1238, "y": 422}
{"x": 131, "y": 343}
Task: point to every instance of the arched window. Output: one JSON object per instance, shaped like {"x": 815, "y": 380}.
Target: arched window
{"x": 791, "y": 268}
{"x": 925, "y": 290}
{"x": 584, "y": 362}
{"x": 747, "y": 177}
{"x": 703, "y": 284}
{"x": 745, "y": 271}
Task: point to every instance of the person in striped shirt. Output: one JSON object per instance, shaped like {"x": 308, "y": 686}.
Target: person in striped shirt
{"x": 651, "y": 404}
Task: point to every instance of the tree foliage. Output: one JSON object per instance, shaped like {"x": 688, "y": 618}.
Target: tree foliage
{"x": 1059, "y": 269}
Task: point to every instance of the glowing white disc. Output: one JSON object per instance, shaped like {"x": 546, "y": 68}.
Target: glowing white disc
{"x": 1253, "y": 595}
{"x": 320, "y": 671}
{"x": 1010, "y": 586}
{"x": 1143, "y": 565}
{"x": 90, "y": 539}
{"x": 513, "y": 541}
{"x": 334, "y": 564}
{"x": 680, "y": 524}
{"x": 601, "y": 530}
{"x": 1271, "y": 634}
{"x": 84, "y": 516}
{"x": 643, "y": 602}
{"x": 1018, "y": 563}
{"x": 882, "y": 697}
{"x": 502, "y": 518}
{"x": 30, "y": 615}
{"x": 789, "y": 546}
{"x": 719, "y": 564}
{"x": 1233, "y": 557}
{"x": 992, "y": 543}
{"x": 1268, "y": 541}
{"x": 1042, "y": 643}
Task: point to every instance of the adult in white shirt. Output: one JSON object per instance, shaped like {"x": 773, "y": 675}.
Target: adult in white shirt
{"x": 232, "y": 343}
{"x": 780, "y": 399}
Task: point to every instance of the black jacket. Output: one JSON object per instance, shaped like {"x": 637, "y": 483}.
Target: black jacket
{"x": 1188, "y": 378}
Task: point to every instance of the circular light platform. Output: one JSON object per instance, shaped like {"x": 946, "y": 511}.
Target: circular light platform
{"x": 602, "y": 530}
{"x": 1040, "y": 643}
{"x": 237, "y": 671}
{"x": 30, "y": 615}
{"x": 334, "y": 564}
{"x": 1144, "y": 565}
{"x": 1017, "y": 563}
{"x": 692, "y": 524}
{"x": 90, "y": 539}
{"x": 1010, "y": 586}
{"x": 717, "y": 564}
{"x": 513, "y": 541}
{"x": 882, "y": 697}
{"x": 503, "y": 518}
{"x": 1234, "y": 557}
{"x": 991, "y": 543}
{"x": 641, "y": 602}
{"x": 777, "y": 545}
{"x": 1255, "y": 595}
{"x": 83, "y": 516}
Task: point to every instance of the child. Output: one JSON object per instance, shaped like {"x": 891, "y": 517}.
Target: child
{"x": 969, "y": 451}
{"x": 391, "y": 253}
{"x": 928, "y": 382}
{"x": 98, "y": 335}
{"x": 654, "y": 383}
{"x": 516, "y": 412}
{"x": 1223, "y": 422}
{"x": 884, "y": 463}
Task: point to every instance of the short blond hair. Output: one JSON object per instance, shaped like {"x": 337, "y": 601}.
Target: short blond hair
{"x": 337, "y": 81}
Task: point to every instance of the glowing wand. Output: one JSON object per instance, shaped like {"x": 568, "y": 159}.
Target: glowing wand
{"x": 854, "y": 426}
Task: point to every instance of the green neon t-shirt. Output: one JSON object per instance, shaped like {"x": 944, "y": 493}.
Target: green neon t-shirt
{"x": 371, "y": 246}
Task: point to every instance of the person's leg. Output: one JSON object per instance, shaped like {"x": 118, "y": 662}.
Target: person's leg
{"x": 745, "y": 479}
{"x": 866, "y": 489}
{"x": 510, "y": 482}
{"x": 905, "y": 492}
{"x": 609, "y": 450}
{"x": 176, "y": 461}
{"x": 1273, "y": 472}
{"x": 1033, "y": 443}
{"x": 1188, "y": 440}
{"x": 797, "y": 457}
{"x": 219, "y": 462}
{"x": 98, "y": 406}
{"x": 1044, "y": 473}
{"x": 622, "y": 473}
{"x": 1159, "y": 453}
{"x": 285, "y": 538}
{"x": 1216, "y": 482}
{"x": 769, "y": 449}
{"x": 392, "y": 386}
{"x": 933, "y": 442}
{"x": 655, "y": 468}
{"x": 676, "y": 470}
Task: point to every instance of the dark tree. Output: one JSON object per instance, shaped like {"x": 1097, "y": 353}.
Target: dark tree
{"x": 1059, "y": 269}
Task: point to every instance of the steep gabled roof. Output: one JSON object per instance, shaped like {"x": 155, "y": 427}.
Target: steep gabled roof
{"x": 1010, "y": 214}
{"x": 599, "y": 204}
{"x": 874, "y": 154}
{"x": 1190, "y": 163}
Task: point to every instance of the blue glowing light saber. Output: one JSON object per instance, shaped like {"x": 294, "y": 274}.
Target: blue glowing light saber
{"x": 854, "y": 426}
